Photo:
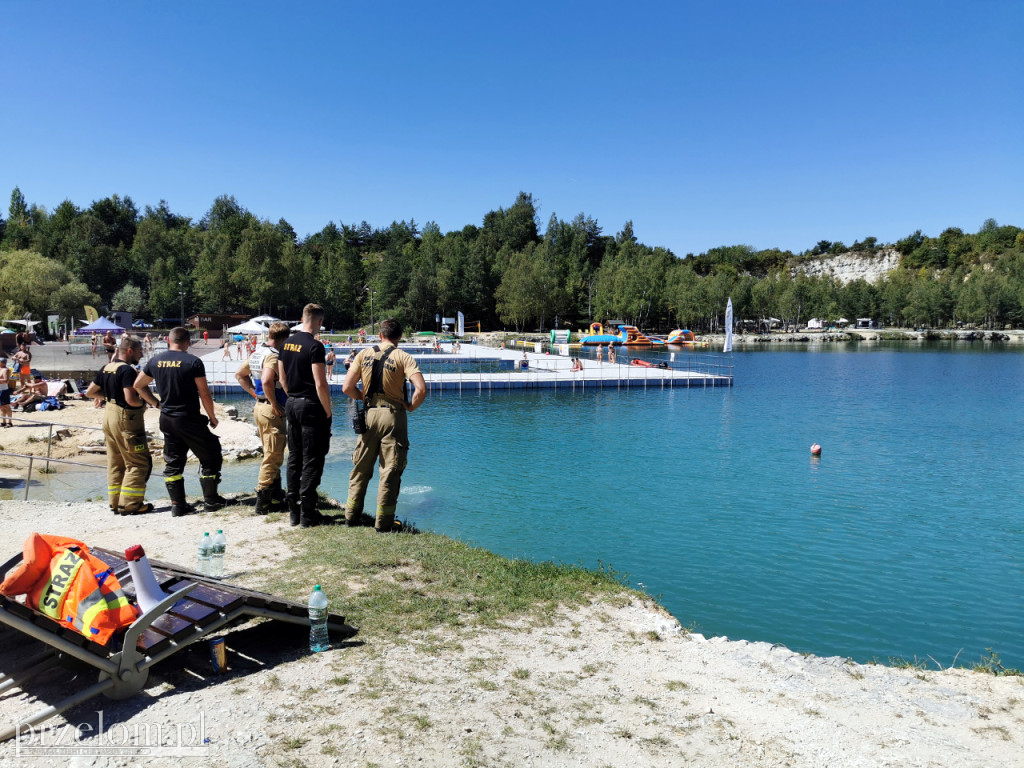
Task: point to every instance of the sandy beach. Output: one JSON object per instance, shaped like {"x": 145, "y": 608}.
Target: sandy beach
{"x": 615, "y": 683}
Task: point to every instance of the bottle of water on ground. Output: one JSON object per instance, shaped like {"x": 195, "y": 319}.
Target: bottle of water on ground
{"x": 205, "y": 548}
{"x": 318, "y": 639}
{"x": 220, "y": 545}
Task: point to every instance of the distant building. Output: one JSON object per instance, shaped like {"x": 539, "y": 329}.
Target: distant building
{"x": 124, "y": 319}
{"x": 865, "y": 322}
{"x": 215, "y": 322}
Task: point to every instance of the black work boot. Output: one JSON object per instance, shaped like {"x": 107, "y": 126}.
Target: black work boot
{"x": 387, "y": 525}
{"x": 353, "y": 519}
{"x": 212, "y": 501}
{"x": 294, "y": 512}
{"x": 278, "y": 498}
{"x": 311, "y": 518}
{"x": 264, "y": 501}
{"x": 179, "y": 506}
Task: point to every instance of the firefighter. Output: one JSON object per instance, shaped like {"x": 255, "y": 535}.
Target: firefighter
{"x": 129, "y": 463}
{"x": 181, "y": 381}
{"x": 258, "y": 376}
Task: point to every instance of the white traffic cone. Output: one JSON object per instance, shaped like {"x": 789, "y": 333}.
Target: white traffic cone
{"x": 147, "y": 591}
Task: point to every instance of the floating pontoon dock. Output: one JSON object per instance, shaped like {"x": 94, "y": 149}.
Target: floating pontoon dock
{"x": 544, "y": 371}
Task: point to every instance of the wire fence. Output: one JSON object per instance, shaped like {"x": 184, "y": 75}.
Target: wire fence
{"x": 48, "y": 458}
{"x": 32, "y": 459}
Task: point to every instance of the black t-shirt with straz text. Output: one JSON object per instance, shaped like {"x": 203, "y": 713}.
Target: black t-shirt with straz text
{"x": 113, "y": 378}
{"x": 298, "y": 355}
{"x": 175, "y": 374}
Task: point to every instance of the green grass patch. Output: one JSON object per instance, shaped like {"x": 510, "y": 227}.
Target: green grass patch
{"x": 444, "y": 584}
{"x": 990, "y": 663}
{"x": 898, "y": 662}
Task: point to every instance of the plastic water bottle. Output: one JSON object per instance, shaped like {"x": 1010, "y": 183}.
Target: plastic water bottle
{"x": 318, "y": 639}
{"x": 205, "y": 548}
{"x": 220, "y": 545}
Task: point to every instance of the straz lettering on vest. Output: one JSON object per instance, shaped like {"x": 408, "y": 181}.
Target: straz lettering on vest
{"x": 289, "y": 347}
{"x": 389, "y": 365}
{"x": 61, "y": 577}
{"x": 168, "y": 364}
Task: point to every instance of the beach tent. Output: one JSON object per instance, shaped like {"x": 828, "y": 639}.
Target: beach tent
{"x": 249, "y": 326}
{"x": 99, "y": 326}
{"x": 296, "y": 325}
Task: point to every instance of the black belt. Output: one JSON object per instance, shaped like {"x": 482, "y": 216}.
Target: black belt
{"x": 126, "y": 407}
{"x": 262, "y": 400}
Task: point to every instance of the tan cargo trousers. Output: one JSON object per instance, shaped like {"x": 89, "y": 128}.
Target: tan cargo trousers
{"x": 128, "y": 461}
{"x": 271, "y": 430}
{"x": 386, "y": 441}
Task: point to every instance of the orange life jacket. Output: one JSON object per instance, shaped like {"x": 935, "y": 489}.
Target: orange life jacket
{"x": 64, "y": 581}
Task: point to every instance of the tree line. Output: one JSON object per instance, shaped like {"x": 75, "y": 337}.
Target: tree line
{"x": 507, "y": 272}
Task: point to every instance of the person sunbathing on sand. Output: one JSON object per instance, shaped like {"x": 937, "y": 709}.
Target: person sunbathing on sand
{"x": 31, "y": 392}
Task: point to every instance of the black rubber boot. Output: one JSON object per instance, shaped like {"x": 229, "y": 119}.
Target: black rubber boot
{"x": 294, "y": 512}
{"x": 264, "y": 501}
{"x": 179, "y": 506}
{"x": 212, "y": 501}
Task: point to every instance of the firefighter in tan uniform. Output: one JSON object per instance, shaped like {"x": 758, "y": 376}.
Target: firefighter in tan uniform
{"x": 382, "y": 370}
{"x": 258, "y": 376}
{"x": 124, "y": 429}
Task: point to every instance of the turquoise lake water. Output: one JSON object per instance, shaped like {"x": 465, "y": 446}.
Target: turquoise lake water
{"x": 906, "y": 539}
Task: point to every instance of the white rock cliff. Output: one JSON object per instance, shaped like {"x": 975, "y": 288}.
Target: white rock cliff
{"x": 849, "y": 266}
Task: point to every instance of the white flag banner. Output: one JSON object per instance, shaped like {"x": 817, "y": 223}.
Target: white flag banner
{"x": 728, "y": 327}
{"x": 460, "y": 330}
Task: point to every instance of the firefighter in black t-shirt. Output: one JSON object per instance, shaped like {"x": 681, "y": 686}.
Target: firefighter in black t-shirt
{"x": 303, "y": 374}
{"x": 181, "y": 381}
{"x": 129, "y": 464}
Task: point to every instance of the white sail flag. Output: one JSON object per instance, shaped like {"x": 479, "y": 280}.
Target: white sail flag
{"x": 728, "y": 327}
{"x": 460, "y": 330}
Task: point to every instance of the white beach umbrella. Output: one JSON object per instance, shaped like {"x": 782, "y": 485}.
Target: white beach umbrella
{"x": 249, "y": 326}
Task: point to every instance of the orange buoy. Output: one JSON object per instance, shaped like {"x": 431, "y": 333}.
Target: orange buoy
{"x": 815, "y": 450}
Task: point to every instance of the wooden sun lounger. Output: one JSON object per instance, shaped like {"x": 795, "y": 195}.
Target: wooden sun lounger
{"x": 198, "y": 607}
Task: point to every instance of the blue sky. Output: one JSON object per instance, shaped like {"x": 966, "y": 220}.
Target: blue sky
{"x": 769, "y": 124}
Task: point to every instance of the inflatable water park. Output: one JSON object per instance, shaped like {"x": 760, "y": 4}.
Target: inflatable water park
{"x": 630, "y": 336}
{"x": 684, "y": 338}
